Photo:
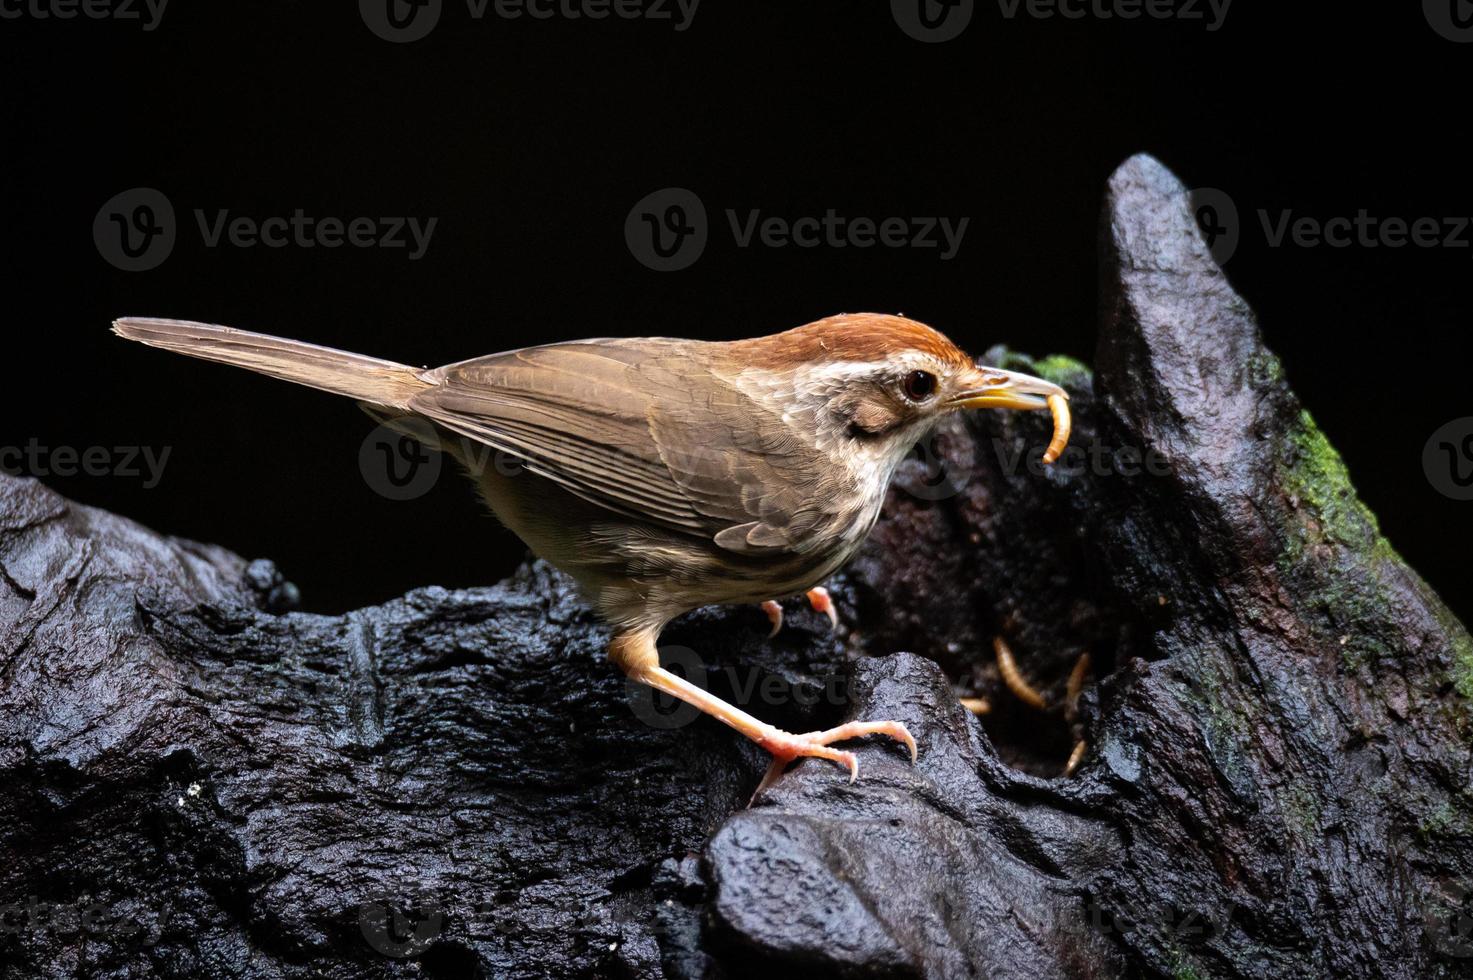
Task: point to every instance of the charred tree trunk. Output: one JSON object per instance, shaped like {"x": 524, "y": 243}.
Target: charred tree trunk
{"x": 1277, "y": 779}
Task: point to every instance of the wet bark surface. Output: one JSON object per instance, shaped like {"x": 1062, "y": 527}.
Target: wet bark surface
{"x": 1277, "y": 780}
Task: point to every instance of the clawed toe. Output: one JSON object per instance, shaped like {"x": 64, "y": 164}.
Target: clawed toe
{"x": 822, "y": 602}
{"x": 774, "y": 612}
{"x": 785, "y": 747}
{"x": 818, "y": 598}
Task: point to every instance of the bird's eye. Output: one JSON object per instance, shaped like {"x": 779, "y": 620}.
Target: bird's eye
{"x": 919, "y": 385}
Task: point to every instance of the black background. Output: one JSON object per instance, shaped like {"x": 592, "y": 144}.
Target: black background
{"x": 531, "y": 140}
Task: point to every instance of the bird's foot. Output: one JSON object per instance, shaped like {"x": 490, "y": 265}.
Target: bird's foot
{"x": 786, "y": 747}
{"x": 818, "y": 598}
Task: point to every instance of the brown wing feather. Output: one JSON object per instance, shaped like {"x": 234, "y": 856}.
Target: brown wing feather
{"x": 642, "y": 428}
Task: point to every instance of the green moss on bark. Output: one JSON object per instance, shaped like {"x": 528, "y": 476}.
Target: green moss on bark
{"x": 1064, "y": 371}
{"x": 1352, "y": 580}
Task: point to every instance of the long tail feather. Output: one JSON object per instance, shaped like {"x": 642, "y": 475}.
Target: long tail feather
{"x": 367, "y": 379}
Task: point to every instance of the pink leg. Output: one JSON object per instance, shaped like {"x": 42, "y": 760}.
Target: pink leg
{"x": 634, "y": 652}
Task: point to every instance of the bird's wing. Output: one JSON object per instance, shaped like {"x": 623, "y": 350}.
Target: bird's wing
{"x": 642, "y": 428}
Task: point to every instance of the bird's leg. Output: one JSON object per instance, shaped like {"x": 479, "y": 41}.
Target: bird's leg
{"x": 634, "y": 653}
{"x": 818, "y": 598}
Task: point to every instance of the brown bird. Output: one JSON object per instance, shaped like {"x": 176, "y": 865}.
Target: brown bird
{"x": 664, "y": 475}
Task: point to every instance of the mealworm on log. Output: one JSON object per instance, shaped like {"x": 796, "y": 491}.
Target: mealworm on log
{"x": 1075, "y": 757}
{"x": 1013, "y": 678}
{"x": 1059, "y": 406}
{"x": 977, "y": 706}
{"x": 1075, "y": 687}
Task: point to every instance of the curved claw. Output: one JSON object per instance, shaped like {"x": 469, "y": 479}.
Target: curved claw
{"x": 819, "y": 599}
{"x": 774, "y": 612}
{"x": 785, "y": 747}
{"x": 847, "y": 759}
{"x": 780, "y": 763}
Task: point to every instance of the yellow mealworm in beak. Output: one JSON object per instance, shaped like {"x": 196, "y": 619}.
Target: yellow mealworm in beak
{"x": 1059, "y": 405}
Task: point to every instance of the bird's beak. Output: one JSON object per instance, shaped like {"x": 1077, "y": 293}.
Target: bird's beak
{"x": 995, "y": 388}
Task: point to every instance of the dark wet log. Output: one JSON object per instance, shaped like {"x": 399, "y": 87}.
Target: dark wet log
{"x": 1278, "y": 779}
